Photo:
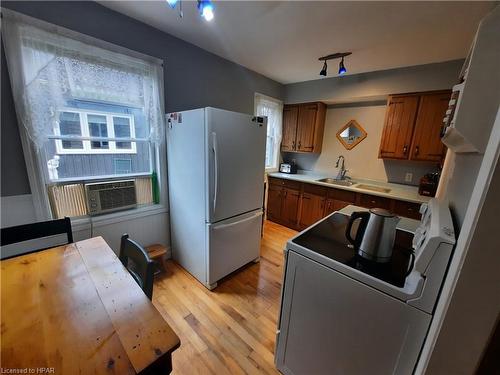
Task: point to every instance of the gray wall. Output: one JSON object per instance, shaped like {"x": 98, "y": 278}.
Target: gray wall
{"x": 193, "y": 77}
{"x": 376, "y": 85}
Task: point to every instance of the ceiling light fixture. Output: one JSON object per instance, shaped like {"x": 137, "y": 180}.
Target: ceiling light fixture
{"x": 172, "y": 3}
{"x": 206, "y": 9}
{"x": 342, "y": 69}
{"x": 323, "y": 71}
{"x": 338, "y": 55}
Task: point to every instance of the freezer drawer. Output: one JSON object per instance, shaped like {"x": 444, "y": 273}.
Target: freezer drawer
{"x": 233, "y": 243}
{"x": 332, "y": 324}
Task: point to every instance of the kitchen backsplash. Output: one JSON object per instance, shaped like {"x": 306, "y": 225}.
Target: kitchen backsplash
{"x": 362, "y": 161}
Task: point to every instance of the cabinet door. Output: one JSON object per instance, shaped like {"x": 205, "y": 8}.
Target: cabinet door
{"x": 427, "y": 145}
{"x": 274, "y": 202}
{"x": 305, "y": 127}
{"x": 398, "y": 127}
{"x": 290, "y": 113}
{"x": 313, "y": 207}
{"x": 333, "y": 205}
{"x": 373, "y": 201}
{"x": 289, "y": 210}
{"x": 407, "y": 209}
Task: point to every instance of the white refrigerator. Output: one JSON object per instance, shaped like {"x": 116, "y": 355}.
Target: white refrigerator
{"x": 216, "y": 185}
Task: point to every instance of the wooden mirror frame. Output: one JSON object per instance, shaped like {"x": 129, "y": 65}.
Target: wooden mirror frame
{"x": 360, "y": 128}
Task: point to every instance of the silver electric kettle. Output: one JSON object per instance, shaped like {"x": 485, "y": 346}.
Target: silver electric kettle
{"x": 374, "y": 239}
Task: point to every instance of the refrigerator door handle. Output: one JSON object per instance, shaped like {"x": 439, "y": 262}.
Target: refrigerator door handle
{"x": 216, "y": 168}
{"x": 257, "y": 214}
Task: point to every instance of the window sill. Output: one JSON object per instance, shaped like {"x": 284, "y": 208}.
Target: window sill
{"x": 83, "y": 223}
{"x": 271, "y": 170}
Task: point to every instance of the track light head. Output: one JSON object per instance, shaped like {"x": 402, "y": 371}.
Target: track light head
{"x": 172, "y": 3}
{"x": 206, "y": 9}
{"x": 342, "y": 69}
{"x": 323, "y": 71}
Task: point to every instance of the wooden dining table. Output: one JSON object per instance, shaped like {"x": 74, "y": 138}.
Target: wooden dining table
{"x": 75, "y": 309}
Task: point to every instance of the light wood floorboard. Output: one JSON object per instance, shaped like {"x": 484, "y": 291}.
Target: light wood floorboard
{"x": 230, "y": 330}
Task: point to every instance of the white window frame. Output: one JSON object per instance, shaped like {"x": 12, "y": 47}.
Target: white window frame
{"x": 36, "y": 161}
{"x": 86, "y": 138}
{"x": 277, "y": 145}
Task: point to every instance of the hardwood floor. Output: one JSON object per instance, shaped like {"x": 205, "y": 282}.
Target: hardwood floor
{"x": 230, "y": 330}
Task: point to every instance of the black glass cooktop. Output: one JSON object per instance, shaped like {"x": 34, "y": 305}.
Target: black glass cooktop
{"x": 328, "y": 239}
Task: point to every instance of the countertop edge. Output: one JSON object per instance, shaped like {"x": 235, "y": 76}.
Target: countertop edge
{"x": 313, "y": 180}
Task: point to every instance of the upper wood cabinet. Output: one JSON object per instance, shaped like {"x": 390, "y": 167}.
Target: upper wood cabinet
{"x": 427, "y": 143}
{"x": 290, "y": 114}
{"x": 303, "y": 126}
{"x": 398, "y": 127}
{"x": 413, "y": 125}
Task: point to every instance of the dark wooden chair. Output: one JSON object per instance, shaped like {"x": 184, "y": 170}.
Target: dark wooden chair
{"x": 141, "y": 266}
{"x": 26, "y": 232}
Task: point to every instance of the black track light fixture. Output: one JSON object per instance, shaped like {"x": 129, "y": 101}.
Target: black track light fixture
{"x": 337, "y": 55}
{"x": 323, "y": 71}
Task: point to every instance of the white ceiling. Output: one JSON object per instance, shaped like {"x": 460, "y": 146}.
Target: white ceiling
{"x": 283, "y": 40}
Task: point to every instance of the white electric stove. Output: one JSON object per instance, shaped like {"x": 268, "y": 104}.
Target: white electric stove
{"x": 343, "y": 315}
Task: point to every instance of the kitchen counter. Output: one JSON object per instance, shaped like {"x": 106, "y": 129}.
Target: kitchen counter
{"x": 397, "y": 191}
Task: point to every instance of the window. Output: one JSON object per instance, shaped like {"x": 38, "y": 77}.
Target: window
{"x": 88, "y": 111}
{"x": 273, "y": 110}
{"x": 82, "y": 124}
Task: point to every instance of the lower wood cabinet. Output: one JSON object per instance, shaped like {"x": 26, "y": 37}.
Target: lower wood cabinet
{"x": 407, "y": 209}
{"x": 290, "y": 207}
{"x": 298, "y": 205}
{"x": 372, "y": 201}
{"x": 312, "y": 209}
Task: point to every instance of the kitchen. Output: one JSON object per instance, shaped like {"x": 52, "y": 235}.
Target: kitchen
{"x": 356, "y": 141}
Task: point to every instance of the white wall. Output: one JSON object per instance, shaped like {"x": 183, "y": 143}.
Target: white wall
{"x": 145, "y": 228}
{"x": 362, "y": 161}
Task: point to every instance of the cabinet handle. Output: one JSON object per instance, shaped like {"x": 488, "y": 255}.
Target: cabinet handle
{"x": 417, "y": 150}
{"x": 405, "y": 149}
{"x": 299, "y": 145}
{"x": 293, "y": 145}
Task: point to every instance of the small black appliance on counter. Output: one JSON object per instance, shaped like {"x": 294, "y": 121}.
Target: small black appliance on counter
{"x": 290, "y": 168}
{"x": 429, "y": 184}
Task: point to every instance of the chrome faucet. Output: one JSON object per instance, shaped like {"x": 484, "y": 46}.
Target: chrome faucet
{"x": 343, "y": 171}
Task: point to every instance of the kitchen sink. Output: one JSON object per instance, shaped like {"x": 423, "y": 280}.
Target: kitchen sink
{"x": 374, "y": 188}
{"x": 333, "y": 181}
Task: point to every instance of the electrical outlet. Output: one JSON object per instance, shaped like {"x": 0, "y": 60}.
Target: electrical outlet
{"x": 408, "y": 177}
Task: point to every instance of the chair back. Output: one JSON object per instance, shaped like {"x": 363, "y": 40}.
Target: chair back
{"x": 27, "y": 232}
{"x": 136, "y": 260}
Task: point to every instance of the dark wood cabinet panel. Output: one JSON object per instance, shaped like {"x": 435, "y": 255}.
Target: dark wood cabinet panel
{"x": 290, "y": 115}
{"x": 274, "y": 202}
{"x": 407, "y": 209}
{"x": 398, "y": 127}
{"x": 303, "y": 126}
{"x": 342, "y": 195}
{"x": 312, "y": 209}
{"x": 290, "y": 208}
{"x": 372, "y": 201}
{"x": 427, "y": 145}
{"x": 333, "y": 205}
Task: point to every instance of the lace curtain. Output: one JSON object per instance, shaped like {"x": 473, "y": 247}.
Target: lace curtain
{"x": 48, "y": 69}
{"x": 273, "y": 110}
